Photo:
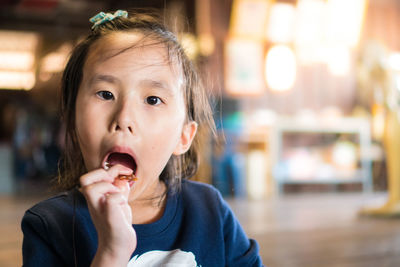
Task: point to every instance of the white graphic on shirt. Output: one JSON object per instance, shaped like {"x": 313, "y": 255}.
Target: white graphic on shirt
{"x": 171, "y": 258}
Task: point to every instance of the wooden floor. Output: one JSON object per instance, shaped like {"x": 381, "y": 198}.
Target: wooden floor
{"x": 321, "y": 230}
{"x": 295, "y": 230}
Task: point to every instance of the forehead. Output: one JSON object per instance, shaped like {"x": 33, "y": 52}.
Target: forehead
{"x": 131, "y": 49}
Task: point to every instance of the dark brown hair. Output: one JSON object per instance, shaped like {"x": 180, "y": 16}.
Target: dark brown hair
{"x": 197, "y": 104}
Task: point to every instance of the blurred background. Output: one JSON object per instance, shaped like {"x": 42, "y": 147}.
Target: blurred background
{"x": 306, "y": 98}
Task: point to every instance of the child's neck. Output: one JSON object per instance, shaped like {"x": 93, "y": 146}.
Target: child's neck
{"x": 149, "y": 210}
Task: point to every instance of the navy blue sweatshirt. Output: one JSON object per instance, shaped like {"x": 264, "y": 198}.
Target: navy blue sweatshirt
{"x": 197, "y": 229}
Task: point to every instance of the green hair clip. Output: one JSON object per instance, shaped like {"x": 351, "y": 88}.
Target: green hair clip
{"x": 102, "y": 17}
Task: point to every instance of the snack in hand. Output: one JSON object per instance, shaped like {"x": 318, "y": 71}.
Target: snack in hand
{"x": 129, "y": 178}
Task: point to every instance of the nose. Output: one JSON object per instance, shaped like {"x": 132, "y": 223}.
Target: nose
{"x": 124, "y": 118}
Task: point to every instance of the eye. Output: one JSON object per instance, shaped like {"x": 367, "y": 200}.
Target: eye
{"x": 153, "y": 100}
{"x": 106, "y": 95}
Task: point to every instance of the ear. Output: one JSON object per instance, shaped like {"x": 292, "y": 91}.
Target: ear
{"x": 188, "y": 132}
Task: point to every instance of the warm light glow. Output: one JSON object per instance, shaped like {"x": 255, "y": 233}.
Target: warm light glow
{"x": 206, "y": 44}
{"x": 17, "y": 80}
{"x": 327, "y": 30}
{"x": 397, "y": 81}
{"x": 309, "y": 22}
{"x": 55, "y": 61}
{"x": 189, "y": 44}
{"x": 281, "y": 22}
{"x": 308, "y": 55}
{"x": 249, "y": 18}
{"x": 16, "y": 60}
{"x": 345, "y": 19}
{"x": 18, "y": 41}
{"x": 309, "y": 31}
{"x": 394, "y": 61}
{"x": 338, "y": 60}
{"x": 280, "y": 69}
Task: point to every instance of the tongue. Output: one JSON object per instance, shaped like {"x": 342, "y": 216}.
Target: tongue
{"x": 122, "y": 159}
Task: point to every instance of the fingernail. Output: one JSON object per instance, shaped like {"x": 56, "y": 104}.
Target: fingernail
{"x": 106, "y": 165}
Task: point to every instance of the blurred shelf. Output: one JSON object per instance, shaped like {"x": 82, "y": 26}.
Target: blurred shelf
{"x": 357, "y": 127}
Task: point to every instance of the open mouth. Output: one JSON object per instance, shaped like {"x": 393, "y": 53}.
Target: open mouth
{"x": 123, "y": 159}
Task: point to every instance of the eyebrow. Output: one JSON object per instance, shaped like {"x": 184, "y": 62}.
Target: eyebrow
{"x": 158, "y": 85}
{"x": 103, "y": 78}
{"x": 145, "y": 82}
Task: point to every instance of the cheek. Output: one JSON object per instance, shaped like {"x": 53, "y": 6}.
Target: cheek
{"x": 82, "y": 124}
{"x": 165, "y": 139}
{"x": 165, "y": 126}
{"x": 157, "y": 156}
{"x": 161, "y": 143}
{"x": 88, "y": 118}
{"x": 87, "y": 131}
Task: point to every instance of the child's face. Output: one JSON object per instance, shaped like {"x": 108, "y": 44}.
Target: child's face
{"x": 131, "y": 103}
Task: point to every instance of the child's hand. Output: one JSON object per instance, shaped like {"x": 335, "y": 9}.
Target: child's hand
{"x": 107, "y": 200}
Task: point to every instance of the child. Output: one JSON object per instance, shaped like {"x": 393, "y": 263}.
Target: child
{"x": 132, "y": 103}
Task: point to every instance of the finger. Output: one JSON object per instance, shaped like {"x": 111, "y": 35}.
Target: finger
{"x": 104, "y": 175}
{"x": 95, "y": 176}
{"x": 116, "y": 199}
{"x": 123, "y": 185}
{"x": 95, "y": 193}
{"x": 119, "y": 169}
{"x": 117, "y": 209}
